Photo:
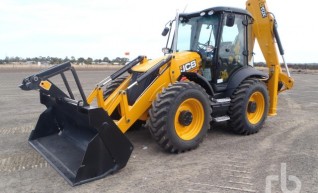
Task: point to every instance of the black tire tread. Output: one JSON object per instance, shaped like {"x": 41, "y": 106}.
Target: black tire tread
{"x": 158, "y": 113}
{"x": 112, "y": 86}
{"x": 237, "y": 122}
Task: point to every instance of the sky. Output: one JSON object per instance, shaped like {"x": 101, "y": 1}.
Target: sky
{"x": 104, "y": 28}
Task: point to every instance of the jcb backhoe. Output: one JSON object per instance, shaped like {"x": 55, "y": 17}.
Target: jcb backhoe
{"x": 205, "y": 76}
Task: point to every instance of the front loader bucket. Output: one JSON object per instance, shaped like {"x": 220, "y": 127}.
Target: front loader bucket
{"x": 81, "y": 142}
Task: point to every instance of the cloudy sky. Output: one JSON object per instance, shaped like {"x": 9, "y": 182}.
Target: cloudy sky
{"x": 105, "y": 28}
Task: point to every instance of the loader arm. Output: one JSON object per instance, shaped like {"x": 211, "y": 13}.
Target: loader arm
{"x": 264, "y": 29}
{"x": 119, "y": 98}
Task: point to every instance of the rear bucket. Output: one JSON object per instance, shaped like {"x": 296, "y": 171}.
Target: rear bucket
{"x": 82, "y": 143}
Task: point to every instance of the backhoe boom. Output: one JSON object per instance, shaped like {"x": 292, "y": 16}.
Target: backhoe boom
{"x": 264, "y": 30}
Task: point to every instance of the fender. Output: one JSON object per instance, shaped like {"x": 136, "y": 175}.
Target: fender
{"x": 197, "y": 78}
{"x": 240, "y": 75}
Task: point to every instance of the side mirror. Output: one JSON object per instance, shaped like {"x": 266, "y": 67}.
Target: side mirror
{"x": 230, "y": 20}
{"x": 165, "y": 31}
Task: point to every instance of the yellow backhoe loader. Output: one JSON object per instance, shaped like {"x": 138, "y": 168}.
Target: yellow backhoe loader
{"x": 204, "y": 76}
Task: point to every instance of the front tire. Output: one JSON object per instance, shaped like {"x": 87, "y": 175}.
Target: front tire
{"x": 249, "y": 107}
{"x": 180, "y": 117}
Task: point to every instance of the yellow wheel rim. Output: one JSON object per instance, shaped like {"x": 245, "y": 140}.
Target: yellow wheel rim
{"x": 189, "y": 119}
{"x": 255, "y": 108}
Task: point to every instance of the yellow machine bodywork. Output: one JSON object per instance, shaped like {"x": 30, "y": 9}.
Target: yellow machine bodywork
{"x": 177, "y": 95}
{"x": 169, "y": 73}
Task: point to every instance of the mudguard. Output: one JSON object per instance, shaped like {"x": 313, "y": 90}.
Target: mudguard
{"x": 240, "y": 75}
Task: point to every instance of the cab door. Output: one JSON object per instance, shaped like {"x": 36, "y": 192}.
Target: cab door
{"x": 232, "y": 49}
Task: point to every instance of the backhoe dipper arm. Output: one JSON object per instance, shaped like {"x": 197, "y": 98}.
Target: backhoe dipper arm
{"x": 265, "y": 31}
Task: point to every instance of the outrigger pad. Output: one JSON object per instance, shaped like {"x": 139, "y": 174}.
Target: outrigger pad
{"x": 82, "y": 143}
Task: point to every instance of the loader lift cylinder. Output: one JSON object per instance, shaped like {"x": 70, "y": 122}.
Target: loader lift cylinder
{"x": 151, "y": 71}
{"x": 121, "y": 71}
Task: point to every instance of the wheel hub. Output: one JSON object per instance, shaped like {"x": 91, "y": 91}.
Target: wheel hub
{"x": 252, "y": 107}
{"x": 185, "y": 118}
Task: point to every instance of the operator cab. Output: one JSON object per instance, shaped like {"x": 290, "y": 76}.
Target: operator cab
{"x": 220, "y": 36}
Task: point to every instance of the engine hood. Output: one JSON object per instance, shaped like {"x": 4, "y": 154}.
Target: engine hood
{"x": 178, "y": 57}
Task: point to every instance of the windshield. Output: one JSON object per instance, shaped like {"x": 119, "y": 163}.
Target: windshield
{"x": 197, "y": 33}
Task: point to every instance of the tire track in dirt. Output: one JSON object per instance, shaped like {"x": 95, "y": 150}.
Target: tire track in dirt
{"x": 17, "y": 130}
{"x": 19, "y": 162}
{"x": 233, "y": 173}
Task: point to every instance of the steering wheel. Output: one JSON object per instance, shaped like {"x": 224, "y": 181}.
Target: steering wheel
{"x": 202, "y": 47}
{"x": 205, "y": 49}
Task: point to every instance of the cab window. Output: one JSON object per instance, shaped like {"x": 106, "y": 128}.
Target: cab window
{"x": 232, "y": 47}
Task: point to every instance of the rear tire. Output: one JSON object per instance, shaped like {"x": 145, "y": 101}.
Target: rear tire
{"x": 249, "y": 107}
{"x": 180, "y": 117}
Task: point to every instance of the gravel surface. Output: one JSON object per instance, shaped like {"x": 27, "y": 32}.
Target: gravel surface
{"x": 285, "y": 151}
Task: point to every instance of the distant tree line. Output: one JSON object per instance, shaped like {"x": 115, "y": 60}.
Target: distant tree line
{"x": 309, "y": 66}
{"x": 56, "y": 60}
{"x": 117, "y": 60}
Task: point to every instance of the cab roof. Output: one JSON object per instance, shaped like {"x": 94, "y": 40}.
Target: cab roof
{"x": 218, "y": 10}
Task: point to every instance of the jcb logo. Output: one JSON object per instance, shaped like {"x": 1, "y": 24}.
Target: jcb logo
{"x": 263, "y": 10}
{"x": 188, "y": 66}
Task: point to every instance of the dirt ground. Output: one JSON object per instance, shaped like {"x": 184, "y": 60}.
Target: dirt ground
{"x": 284, "y": 152}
